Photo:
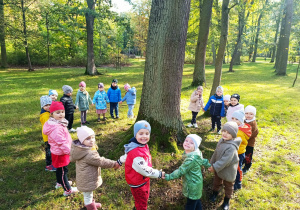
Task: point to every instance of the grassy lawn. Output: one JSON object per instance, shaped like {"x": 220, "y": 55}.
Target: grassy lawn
{"x": 272, "y": 183}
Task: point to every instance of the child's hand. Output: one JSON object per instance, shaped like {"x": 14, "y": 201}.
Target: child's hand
{"x": 117, "y": 166}
{"x": 211, "y": 169}
{"x": 76, "y": 107}
{"x": 163, "y": 176}
{"x": 120, "y": 102}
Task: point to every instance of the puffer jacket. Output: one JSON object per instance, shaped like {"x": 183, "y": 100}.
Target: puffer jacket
{"x": 225, "y": 159}
{"x": 244, "y": 133}
{"x": 196, "y": 102}
{"x": 59, "y": 137}
{"x": 130, "y": 96}
{"x": 216, "y": 105}
{"x": 254, "y": 130}
{"x": 68, "y": 104}
{"x": 100, "y": 99}
{"x": 114, "y": 95}
{"x": 190, "y": 170}
{"x": 83, "y": 101}
{"x": 44, "y": 117}
{"x": 232, "y": 109}
{"x": 88, "y": 166}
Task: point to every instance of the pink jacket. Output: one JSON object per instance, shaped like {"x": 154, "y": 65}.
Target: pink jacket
{"x": 232, "y": 109}
{"x": 59, "y": 138}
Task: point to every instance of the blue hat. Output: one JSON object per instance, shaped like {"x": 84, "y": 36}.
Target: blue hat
{"x": 240, "y": 115}
{"x": 45, "y": 100}
{"x": 196, "y": 139}
{"x": 142, "y": 124}
{"x": 53, "y": 92}
{"x": 220, "y": 87}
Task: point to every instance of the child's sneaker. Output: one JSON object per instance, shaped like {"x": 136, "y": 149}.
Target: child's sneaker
{"x": 245, "y": 170}
{"x": 99, "y": 119}
{"x": 195, "y": 125}
{"x": 57, "y": 186}
{"x": 190, "y": 125}
{"x": 219, "y": 131}
{"x": 72, "y": 130}
{"x": 211, "y": 130}
{"x": 50, "y": 168}
{"x": 73, "y": 190}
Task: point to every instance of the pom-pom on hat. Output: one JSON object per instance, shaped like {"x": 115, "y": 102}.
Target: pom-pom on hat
{"x": 56, "y": 105}
{"x": 196, "y": 139}
{"x": 82, "y": 84}
{"x": 251, "y": 109}
{"x": 100, "y": 85}
{"x": 232, "y": 128}
{"x": 67, "y": 89}
{"x": 126, "y": 86}
{"x": 142, "y": 124}
{"x": 53, "y": 92}
{"x": 84, "y": 132}
{"x": 45, "y": 100}
{"x": 237, "y": 96}
{"x": 226, "y": 98}
{"x": 220, "y": 87}
{"x": 240, "y": 115}
{"x": 114, "y": 80}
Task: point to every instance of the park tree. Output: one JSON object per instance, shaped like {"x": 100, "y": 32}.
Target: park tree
{"x": 277, "y": 17}
{"x": 2, "y": 36}
{"x": 160, "y": 100}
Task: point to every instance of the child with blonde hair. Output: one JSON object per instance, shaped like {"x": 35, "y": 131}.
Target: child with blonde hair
{"x": 83, "y": 101}
{"x": 196, "y": 104}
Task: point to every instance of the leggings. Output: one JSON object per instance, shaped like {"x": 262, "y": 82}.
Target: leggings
{"x": 62, "y": 178}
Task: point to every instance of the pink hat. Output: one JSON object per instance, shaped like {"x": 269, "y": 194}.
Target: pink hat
{"x": 126, "y": 86}
{"x": 82, "y": 83}
{"x": 56, "y": 105}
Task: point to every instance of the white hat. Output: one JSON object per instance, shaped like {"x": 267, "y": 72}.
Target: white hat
{"x": 83, "y": 132}
{"x": 196, "y": 139}
{"x": 251, "y": 109}
{"x": 226, "y": 97}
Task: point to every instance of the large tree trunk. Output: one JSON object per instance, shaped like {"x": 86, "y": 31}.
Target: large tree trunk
{"x": 222, "y": 46}
{"x": 275, "y": 39}
{"x": 89, "y": 16}
{"x": 25, "y": 37}
{"x": 213, "y": 49}
{"x": 199, "y": 70}
{"x": 160, "y": 100}
{"x": 2, "y": 36}
{"x": 284, "y": 40}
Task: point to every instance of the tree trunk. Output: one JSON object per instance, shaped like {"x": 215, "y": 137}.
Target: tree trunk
{"x": 222, "y": 46}
{"x": 199, "y": 70}
{"x": 283, "y": 45}
{"x": 275, "y": 39}
{"x": 89, "y": 16}
{"x": 2, "y": 36}
{"x": 160, "y": 100}
{"x": 213, "y": 48}
{"x": 25, "y": 37}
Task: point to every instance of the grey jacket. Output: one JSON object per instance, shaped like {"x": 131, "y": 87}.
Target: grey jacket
{"x": 225, "y": 159}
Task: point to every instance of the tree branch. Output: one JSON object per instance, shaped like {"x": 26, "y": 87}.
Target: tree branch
{"x": 232, "y": 6}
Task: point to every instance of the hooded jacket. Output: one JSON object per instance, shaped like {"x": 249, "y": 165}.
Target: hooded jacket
{"x": 83, "y": 100}
{"x": 216, "y": 105}
{"x": 130, "y": 96}
{"x": 232, "y": 109}
{"x": 254, "y": 130}
{"x": 244, "y": 133}
{"x": 196, "y": 103}
{"x": 225, "y": 159}
{"x": 100, "y": 99}
{"x": 88, "y": 166}
{"x": 114, "y": 95}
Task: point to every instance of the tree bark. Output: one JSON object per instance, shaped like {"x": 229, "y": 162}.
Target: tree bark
{"x": 160, "y": 100}
{"x": 213, "y": 48}
{"x": 199, "y": 70}
{"x": 275, "y": 39}
{"x": 89, "y": 16}
{"x": 284, "y": 40}
{"x": 222, "y": 46}
{"x": 2, "y": 36}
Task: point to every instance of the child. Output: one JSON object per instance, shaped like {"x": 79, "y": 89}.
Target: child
{"x": 138, "y": 165}
{"x": 196, "y": 104}
{"x": 100, "y": 99}
{"x": 44, "y": 116}
{"x": 250, "y": 113}
{"x": 130, "y": 97}
{"x": 88, "y": 165}
{"x": 53, "y": 94}
{"x": 234, "y": 106}
{"x": 67, "y": 101}
{"x": 114, "y": 96}
{"x": 190, "y": 170}
{"x": 83, "y": 101}
{"x": 226, "y": 99}
{"x": 224, "y": 162}
{"x": 60, "y": 141}
{"x": 217, "y": 110}
{"x": 244, "y": 133}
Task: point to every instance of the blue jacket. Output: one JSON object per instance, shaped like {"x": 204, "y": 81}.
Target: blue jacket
{"x": 100, "y": 99}
{"x": 216, "y": 105}
{"x": 130, "y": 96}
{"x": 114, "y": 95}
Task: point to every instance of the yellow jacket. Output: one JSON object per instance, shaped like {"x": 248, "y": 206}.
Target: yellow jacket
{"x": 244, "y": 133}
{"x": 44, "y": 117}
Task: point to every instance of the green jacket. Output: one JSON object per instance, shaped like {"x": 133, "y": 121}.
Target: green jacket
{"x": 83, "y": 100}
{"x": 192, "y": 181}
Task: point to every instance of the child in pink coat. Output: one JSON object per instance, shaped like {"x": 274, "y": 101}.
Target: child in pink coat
{"x": 60, "y": 145}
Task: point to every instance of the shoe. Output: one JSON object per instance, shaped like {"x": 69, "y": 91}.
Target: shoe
{"x": 73, "y": 190}
{"x": 195, "y": 125}
{"x": 50, "y": 168}
{"x": 99, "y": 120}
{"x": 104, "y": 118}
{"x": 211, "y": 130}
{"x": 245, "y": 170}
{"x": 91, "y": 206}
{"x": 98, "y": 205}
{"x": 237, "y": 187}
{"x": 190, "y": 125}
{"x": 219, "y": 131}
{"x": 117, "y": 117}
{"x": 86, "y": 122}
{"x": 225, "y": 204}
{"x": 72, "y": 130}
{"x": 82, "y": 123}
{"x": 57, "y": 186}
{"x": 112, "y": 117}
{"x": 213, "y": 196}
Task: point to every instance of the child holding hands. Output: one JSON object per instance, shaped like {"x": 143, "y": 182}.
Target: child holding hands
{"x": 190, "y": 170}
{"x": 67, "y": 101}
{"x": 114, "y": 96}
{"x": 130, "y": 98}
{"x": 100, "y": 99}
{"x": 196, "y": 104}
{"x": 83, "y": 101}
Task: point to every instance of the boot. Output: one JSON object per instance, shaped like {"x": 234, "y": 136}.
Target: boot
{"x": 98, "y": 205}
{"x": 91, "y": 206}
{"x": 213, "y": 197}
{"x": 225, "y": 204}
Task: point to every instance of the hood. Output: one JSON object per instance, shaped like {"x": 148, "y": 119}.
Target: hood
{"x": 246, "y": 129}
{"x": 132, "y": 91}
{"x": 78, "y": 150}
{"x": 48, "y": 127}
{"x": 132, "y": 145}
{"x": 235, "y": 142}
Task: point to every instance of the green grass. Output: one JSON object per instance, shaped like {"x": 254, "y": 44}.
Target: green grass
{"x": 272, "y": 183}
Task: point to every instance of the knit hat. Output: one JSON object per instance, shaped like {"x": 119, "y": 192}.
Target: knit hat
{"x": 199, "y": 87}
{"x": 56, "y": 105}
{"x": 220, "y": 87}
{"x": 82, "y": 83}
{"x": 100, "y": 85}
{"x": 114, "y": 80}
{"x": 67, "y": 89}
{"x": 45, "y": 100}
{"x": 226, "y": 98}
{"x": 142, "y": 124}
{"x": 83, "y": 132}
{"x": 196, "y": 139}
{"x": 126, "y": 86}
{"x": 53, "y": 92}
{"x": 240, "y": 115}
{"x": 237, "y": 96}
{"x": 251, "y": 109}
{"x": 232, "y": 128}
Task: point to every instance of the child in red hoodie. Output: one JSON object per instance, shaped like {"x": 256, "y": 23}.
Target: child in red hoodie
{"x": 244, "y": 133}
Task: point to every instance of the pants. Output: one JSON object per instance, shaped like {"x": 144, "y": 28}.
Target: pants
{"x": 48, "y": 154}
{"x": 239, "y": 174}
{"x": 141, "y": 196}
{"x": 130, "y": 110}
{"x": 194, "y": 115}
{"x": 248, "y": 157}
{"x": 114, "y": 106}
{"x": 62, "y": 178}
{"x": 83, "y": 116}
{"x": 193, "y": 204}
{"x": 214, "y": 120}
{"x": 70, "y": 118}
{"x": 87, "y": 197}
{"x": 218, "y": 182}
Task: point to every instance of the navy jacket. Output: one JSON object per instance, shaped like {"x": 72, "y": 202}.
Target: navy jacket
{"x": 216, "y": 105}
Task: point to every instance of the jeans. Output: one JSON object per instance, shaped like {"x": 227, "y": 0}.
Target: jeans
{"x": 114, "y": 106}
{"x": 194, "y": 115}
{"x": 130, "y": 110}
{"x": 239, "y": 175}
{"x": 70, "y": 118}
{"x": 193, "y": 204}
{"x": 48, "y": 154}
{"x": 214, "y": 120}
